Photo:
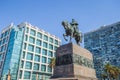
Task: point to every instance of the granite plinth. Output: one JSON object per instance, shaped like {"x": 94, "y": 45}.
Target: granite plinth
{"x": 73, "y": 63}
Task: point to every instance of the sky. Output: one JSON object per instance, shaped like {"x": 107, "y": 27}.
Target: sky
{"x": 48, "y": 14}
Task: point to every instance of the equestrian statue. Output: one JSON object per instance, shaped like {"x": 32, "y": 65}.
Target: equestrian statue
{"x": 71, "y": 30}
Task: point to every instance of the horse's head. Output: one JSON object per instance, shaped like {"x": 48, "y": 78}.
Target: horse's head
{"x": 65, "y": 24}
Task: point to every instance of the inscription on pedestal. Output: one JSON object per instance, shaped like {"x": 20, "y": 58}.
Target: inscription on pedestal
{"x": 73, "y": 58}
{"x": 77, "y": 59}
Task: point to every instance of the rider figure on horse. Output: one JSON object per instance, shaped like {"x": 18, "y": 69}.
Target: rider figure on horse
{"x": 74, "y": 24}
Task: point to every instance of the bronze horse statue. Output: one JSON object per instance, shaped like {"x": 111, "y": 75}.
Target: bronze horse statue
{"x": 70, "y": 31}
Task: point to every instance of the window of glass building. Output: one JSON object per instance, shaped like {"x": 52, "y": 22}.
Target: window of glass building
{"x": 50, "y": 46}
{"x": 6, "y": 33}
{"x": 5, "y": 46}
{"x": 23, "y": 55}
{"x": 44, "y": 59}
{"x": 20, "y": 75}
{"x": 49, "y": 60}
{"x": 27, "y": 75}
{"x": 29, "y": 56}
{"x": 31, "y": 40}
{"x": 45, "y": 44}
{"x": 2, "y": 35}
{"x": 49, "y": 69}
{"x": 22, "y": 64}
{"x": 3, "y": 40}
{"x": 38, "y": 50}
{"x": 0, "y": 56}
{"x": 0, "y": 65}
{"x": 51, "y": 40}
{"x": 39, "y": 35}
{"x": 50, "y": 54}
{"x": 45, "y": 37}
{"x": 37, "y": 58}
{"x": 31, "y": 48}
{"x": 54, "y": 55}
{"x": 39, "y": 76}
{"x": 38, "y": 42}
{"x": 44, "y": 52}
{"x": 55, "y": 47}
{"x": 36, "y": 66}
{"x": 27, "y": 30}
{"x": 0, "y": 42}
{"x": 56, "y": 42}
{"x": 3, "y": 55}
{"x": 26, "y": 37}
{"x": 33, "y": 76}
{"x": 25, "y": 45}
{"x": 32, "y": 32}
{"x": 43, "y": 67}
{"x": 28, "y": 65}
{"x": 7, "y": 39}
{"x": 2, "y": 48}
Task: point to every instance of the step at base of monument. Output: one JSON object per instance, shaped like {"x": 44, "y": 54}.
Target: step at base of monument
{"x": 76, "y": 77}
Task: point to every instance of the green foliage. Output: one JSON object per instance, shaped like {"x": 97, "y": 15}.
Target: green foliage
{"x": 52, "y": 63}
{"x": 111, "y": 72}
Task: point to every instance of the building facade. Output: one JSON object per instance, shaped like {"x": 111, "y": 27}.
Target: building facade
{"x": 104, "y": 43}
{"x": 26, "y": 52}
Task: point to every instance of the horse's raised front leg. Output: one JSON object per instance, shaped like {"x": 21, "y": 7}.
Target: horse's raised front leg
{"x": 65, "y": 37}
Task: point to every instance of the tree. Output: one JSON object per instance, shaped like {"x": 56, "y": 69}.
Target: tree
{"x": 112, "y": 72}
{"x": 116, "y": 72}
{"x": 52, "y": 63}
{"x": 104, "y": 76}
{"x": 108, "y": 70}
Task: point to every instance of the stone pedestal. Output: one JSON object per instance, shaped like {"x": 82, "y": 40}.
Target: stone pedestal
{"x": 73, "y": 63}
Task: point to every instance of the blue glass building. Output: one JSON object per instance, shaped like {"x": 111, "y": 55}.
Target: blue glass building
{"x": 26, "y": 51}
{"x": 104, "y": 43}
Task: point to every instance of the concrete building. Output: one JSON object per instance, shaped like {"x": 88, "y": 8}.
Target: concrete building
{"x": 26, "y": 51}
{"x": 104, "y": 43}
